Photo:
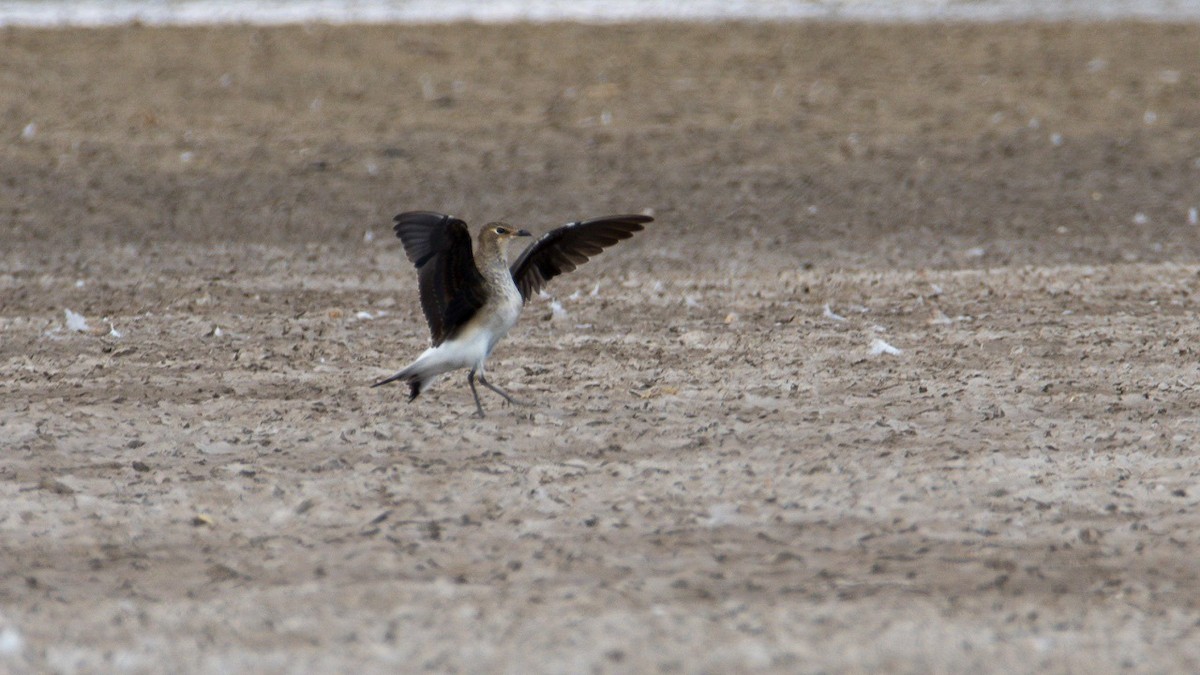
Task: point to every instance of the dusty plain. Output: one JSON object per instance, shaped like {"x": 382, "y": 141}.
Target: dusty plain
{"x": 721, "y": 474}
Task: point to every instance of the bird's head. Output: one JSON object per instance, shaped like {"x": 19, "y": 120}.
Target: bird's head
{"x": 500, "y": 234}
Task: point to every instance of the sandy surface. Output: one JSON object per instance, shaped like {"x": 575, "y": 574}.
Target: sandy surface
{"x": 721, "y": 475}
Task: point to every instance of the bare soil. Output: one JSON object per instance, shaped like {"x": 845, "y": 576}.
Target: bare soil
{"x": 726, "y": 469}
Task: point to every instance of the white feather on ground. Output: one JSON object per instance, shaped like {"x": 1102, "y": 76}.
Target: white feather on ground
{"x": 76, "y": 322}
{"x": 828, "y": 313}
{"x": 879, "y": 347}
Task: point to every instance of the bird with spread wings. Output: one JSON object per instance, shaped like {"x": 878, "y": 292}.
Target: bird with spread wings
{"x": 472, "y": 297}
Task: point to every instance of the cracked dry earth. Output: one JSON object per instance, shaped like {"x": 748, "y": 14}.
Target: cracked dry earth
{"x": 953, "y": 432}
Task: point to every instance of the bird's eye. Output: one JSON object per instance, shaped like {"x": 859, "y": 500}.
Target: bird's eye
{"x": 501, "y": 230}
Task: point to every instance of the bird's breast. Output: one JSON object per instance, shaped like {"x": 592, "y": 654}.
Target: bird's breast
{"x": 509, "y": 304}
{"x": 503, "y": 308}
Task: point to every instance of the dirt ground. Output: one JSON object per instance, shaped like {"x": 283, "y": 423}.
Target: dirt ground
{"x": 724, "y": 472}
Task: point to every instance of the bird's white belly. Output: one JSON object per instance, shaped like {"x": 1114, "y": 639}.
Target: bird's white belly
{"x": 465, "y": 351}
{"x": 507, "y": 311}
{"x": 475, "y": 341}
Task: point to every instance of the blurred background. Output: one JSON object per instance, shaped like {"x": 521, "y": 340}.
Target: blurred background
{"x": 100, "y": 12}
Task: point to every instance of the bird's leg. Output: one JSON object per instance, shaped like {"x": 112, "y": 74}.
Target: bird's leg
{"x": 471, "y": 381}
{"x": 503, "y": 393}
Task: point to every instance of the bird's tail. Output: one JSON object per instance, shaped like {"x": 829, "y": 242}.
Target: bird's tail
{"x": 424, "y": 372}
{"x": 416, "y": 381}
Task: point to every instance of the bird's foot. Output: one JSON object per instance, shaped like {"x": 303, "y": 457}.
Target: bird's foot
{"x": 504, "y": 394}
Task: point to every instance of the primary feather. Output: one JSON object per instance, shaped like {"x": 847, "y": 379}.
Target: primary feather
{"x": 451, "y": 286}
{"x": 562, "y": 250}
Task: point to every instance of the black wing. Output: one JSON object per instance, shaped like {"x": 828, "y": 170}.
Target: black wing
{"x": 451, "y": 286}
{"x": 562, "y": 250}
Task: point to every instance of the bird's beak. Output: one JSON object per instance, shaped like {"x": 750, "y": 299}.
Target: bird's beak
{"x": 524, "y": 233}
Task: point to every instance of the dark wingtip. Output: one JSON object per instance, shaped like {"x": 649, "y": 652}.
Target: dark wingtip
{"x": 634, "y": 222}
{"x": 420, "y": 214}
{"x": 401, "y": 218}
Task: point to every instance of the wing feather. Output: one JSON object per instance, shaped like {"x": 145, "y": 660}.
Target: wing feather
{"x": 566, "y": 248}
{"x": 451, "y": 287}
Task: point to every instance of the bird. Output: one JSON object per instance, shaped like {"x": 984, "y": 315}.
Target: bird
{"x": 471, "y": 298}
